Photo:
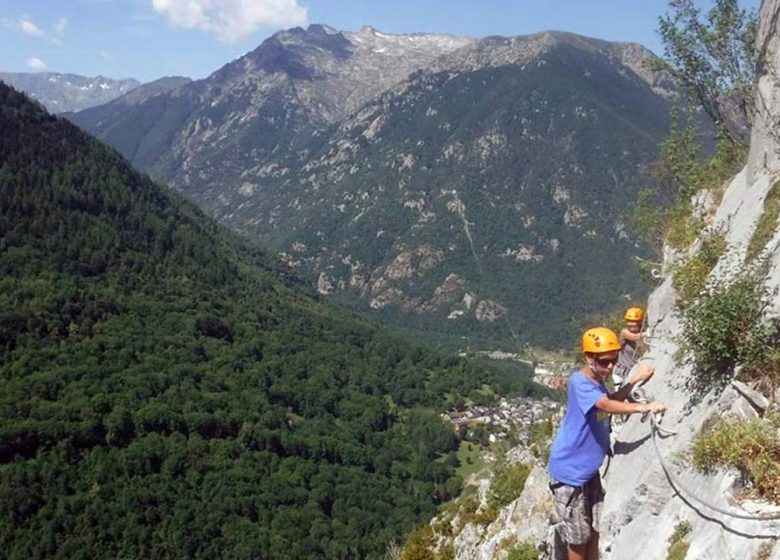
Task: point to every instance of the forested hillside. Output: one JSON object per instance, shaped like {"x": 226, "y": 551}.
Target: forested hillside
{"x": 168, "y": 391}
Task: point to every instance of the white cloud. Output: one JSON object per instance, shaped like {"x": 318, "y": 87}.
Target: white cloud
{"x": 30, "y": 29}
{"x": 36, "y": 64}
{"x": 231, "y": 20}
{"x": 26, "y": 26}
{"x": 62, "y": 23}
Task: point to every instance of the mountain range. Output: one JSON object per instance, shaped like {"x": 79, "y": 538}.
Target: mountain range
{"x": 68, "y": 92}
{"x": 440, "y": 181}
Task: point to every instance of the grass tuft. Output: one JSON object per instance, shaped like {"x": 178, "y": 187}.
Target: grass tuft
{"x": 752, "y": 446}
{"x": 678, "y": 548}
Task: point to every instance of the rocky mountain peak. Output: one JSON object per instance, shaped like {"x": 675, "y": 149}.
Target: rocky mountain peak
{"x": 334, "y": 72}
{"x": 316, "y": 36}
{"x": 437, "y": 43}
{"x": 442, "y": 144}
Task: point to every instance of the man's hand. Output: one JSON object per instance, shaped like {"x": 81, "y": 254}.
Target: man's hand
{"x": 644, "y": 374}
{"x": 654, "y": 407}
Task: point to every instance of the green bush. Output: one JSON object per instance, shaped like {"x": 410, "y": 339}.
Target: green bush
{"x": 419, "y": 545}
{"x": 486, "y": 516}
{"x": 764, "y": 371}
{"x": 678, "y": 548}
{"x": 677, "y": 551}
{"x": 447, "y": 552}
{"x": 751, "y": 446}
{"x": 523, "y": 551}
{"x": 682, "y": 229}
{"x": 690, "y": 276}
{"x": 508, "y": 483}
{"x": 723, "y": 327}
{"x": 664, "y": 211}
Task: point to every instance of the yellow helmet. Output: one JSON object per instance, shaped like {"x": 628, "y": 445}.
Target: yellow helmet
{"x": 599, "y": 340}
{"x": 634, "y": 314}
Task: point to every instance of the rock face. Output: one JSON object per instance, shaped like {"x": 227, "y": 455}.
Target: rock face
{"x": 765, "y": 138}
{"x": 68, "y": 92}
{"x": 642, "y": 509}
{"x": 525, "y": 520}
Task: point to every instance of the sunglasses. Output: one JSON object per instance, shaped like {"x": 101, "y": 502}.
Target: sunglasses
{"x": 606, "y": 362}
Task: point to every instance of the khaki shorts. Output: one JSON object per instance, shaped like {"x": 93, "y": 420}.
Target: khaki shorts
{"x": 579, "y": 509}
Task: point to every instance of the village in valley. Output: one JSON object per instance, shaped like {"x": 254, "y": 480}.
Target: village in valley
{"x": 512, "y": 420}
{"x": 508, "y": 417}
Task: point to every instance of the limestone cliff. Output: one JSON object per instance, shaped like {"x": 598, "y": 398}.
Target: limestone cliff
{"x": 642, "y": 508}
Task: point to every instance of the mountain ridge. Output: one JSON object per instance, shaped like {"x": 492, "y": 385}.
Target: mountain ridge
{"x": 69, "y": 92}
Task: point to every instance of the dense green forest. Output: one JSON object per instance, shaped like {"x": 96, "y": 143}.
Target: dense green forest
{"x": 168, "y": 391}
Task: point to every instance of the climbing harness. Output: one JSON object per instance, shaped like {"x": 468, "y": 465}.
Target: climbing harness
{"x": 657, "y": 430}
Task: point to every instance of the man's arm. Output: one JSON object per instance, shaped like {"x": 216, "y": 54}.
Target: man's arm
{"x": 624, "y": 391}
{"x": 633, "y": 337}
{"x": 610, "y": 406}
{"x": 644, "y": 373}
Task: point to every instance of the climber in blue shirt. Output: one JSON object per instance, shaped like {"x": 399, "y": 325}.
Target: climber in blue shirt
{"x": 582, "y": 441}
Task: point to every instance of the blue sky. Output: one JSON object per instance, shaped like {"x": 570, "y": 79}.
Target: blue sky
{"x": 147, "y": 39}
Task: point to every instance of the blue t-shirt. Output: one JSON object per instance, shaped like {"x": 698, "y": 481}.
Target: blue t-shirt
{"x": 582, "y": 441}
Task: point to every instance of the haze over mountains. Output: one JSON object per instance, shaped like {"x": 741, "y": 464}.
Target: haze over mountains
{"x": 439, "y": 180}
{"x": 68, "y": 92}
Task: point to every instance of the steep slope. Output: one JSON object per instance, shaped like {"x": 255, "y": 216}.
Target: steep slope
{"x": 68, "y": 92}
{"x": 642, "y": 494}
{"x": 163, "y": 393}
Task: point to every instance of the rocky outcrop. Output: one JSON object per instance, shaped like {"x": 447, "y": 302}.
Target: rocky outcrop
{"x": 526, "y": 520}
{"x": 765, "y": 137}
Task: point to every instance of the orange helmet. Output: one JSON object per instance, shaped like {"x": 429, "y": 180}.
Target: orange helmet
{"x": 599, "y": 340}
{"x": 634, "y": 314}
